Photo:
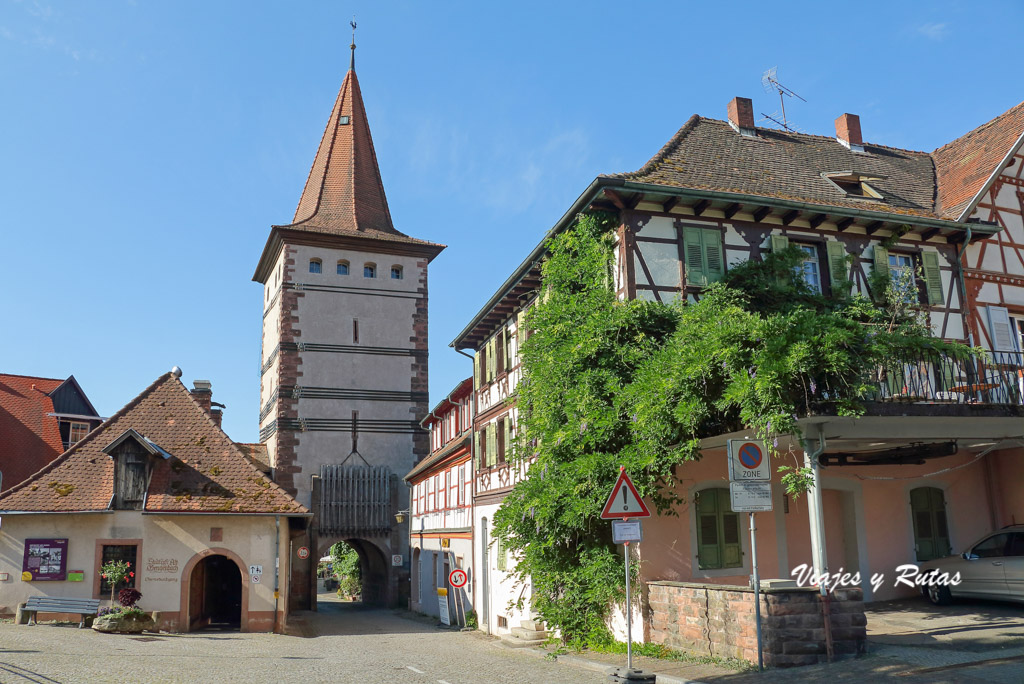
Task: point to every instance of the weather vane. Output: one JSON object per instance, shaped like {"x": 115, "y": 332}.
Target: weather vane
{"x": 352, "y": 60}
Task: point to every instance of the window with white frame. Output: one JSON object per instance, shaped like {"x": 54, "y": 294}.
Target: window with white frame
{"x": 76, "y": 432}
{"x": 369, "y": 270}
{"x": 810, "y": 269}
{"x": 901, "y": 272}
{"x": 342, "y": 267}
{"x": 396, "y": 272}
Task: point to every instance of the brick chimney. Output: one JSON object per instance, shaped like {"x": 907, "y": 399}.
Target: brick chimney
{"x": 217, "y": 414}
{"x": 848, "y": 132}
{"x": 741, "y": 115}
{"x": 202, "y": 392}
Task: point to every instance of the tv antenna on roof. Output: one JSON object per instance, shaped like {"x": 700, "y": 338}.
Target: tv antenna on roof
{"x": 771, "y": 84}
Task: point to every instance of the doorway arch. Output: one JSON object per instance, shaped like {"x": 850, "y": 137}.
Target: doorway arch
{"x": 373, "y": 568}
{"x": 213, "y": 593}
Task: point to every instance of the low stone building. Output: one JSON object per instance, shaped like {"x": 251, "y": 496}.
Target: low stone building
{"x": 160, "y": 486}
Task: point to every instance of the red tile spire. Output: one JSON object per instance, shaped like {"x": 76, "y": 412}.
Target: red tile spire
{"x": 344, "y": 192}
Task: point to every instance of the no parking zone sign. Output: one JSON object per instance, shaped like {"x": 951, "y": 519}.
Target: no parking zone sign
{"x": 749, "y": 461}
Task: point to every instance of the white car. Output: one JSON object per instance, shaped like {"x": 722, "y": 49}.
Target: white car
{"x": 992, "y": 568}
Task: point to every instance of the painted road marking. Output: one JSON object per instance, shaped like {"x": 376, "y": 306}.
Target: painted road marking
{"x": 415, "y": 670}
{"x": 441, "y": 681}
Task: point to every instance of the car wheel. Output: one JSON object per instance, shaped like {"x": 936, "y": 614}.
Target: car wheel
{"x": 938, "y": 595}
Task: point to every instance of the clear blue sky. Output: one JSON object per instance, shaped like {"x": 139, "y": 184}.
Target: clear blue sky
{"x": 147, "y": 147}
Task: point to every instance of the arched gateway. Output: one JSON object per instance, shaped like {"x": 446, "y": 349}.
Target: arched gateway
{"x": 213, "y": 594}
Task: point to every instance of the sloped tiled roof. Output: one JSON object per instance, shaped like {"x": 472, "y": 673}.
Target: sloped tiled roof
{"x": 707, "y": 154}
{"x": 461, "y": 441}
{"x": 29, "y": 437}
{"x": 257, "y": 453}
{"x": 344, "y": 194}
{"x": 207, "y": 472}
{"x": 965, "y": 164}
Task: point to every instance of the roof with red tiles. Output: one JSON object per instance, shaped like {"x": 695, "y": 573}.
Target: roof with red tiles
{"x": 344, "y": 194}
{"x": 206, "y": 473}
{"x": 29, "y": 436}
{"x": 257, "y": 453}
{"x": 965, "y": 165}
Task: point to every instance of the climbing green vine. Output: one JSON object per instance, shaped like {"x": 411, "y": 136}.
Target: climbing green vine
{"x": 611, "y": 383}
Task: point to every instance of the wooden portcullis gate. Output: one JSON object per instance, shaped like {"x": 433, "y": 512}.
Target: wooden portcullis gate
{"x": 357, "y": 504}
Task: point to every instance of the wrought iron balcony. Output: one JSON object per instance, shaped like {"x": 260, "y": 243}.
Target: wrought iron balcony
{"x": 932, "y": 377}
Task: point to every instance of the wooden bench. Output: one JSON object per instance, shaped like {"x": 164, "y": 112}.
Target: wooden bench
{"x": 61, "y": 604}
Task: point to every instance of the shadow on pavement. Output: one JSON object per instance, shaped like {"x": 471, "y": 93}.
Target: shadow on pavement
{"x": 335, "y": 617}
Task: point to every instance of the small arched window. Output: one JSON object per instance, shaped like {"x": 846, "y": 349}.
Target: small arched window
{"x": 369, "y": 270}
{"x": 315, "y": 266}
{"x": 396, "y": 272}
{"x": 342, "y": 267}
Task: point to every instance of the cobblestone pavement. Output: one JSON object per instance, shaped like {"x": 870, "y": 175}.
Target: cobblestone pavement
{"x": 347, "y": 645}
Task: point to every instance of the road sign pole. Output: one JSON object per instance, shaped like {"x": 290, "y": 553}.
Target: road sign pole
{"x": 629, "y": 616}
{"x": 757, "y": 591}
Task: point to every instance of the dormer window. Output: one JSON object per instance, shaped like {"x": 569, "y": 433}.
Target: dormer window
{"x": 134, "y": 457}
{"x": 854, "y": 184}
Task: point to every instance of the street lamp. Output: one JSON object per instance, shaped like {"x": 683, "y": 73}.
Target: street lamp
{"x": 400, "y": 516}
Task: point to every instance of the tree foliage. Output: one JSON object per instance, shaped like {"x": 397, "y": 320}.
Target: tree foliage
{"x": 611, "y": 383}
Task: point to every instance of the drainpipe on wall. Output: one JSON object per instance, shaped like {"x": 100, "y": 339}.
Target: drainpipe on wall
{"x": 277, "y": 569}
{"x": 472, "y": 498}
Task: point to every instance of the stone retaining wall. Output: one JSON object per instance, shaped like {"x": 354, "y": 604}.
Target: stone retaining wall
{"x": 719, "y": 620}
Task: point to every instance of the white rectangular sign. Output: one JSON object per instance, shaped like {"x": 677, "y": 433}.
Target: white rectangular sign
{"x": 749, "y": 461}
{"x": 751, "y": 497}
{"x": 396, "y": 561}
{"x": 255, "y": 569}
{"x": 627, "y": 531}
{"x": 442, "y": 605}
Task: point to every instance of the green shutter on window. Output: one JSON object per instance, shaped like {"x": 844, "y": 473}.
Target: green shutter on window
{"x": 932, "y": 277}
{"x": 520, "y": 329}
{"x": 502, "y": 555}
{"x": 714, "y": 255}
{"x": 709, "y": 555}
{"x": 732, "y": 553}
{"x": 476, "y": 371}
{"x": 492, "y": 444}
{"x": 837, "y": 269}
{"x": 476, "y": 449}
{"x": 779, "y": 243}
{"x": 492, "y": 360}
{"x": 881, "y": 260}
{"x": 693, "y": 249}
{"x": 508, "y": 437}
{"x": 931, "y": 531}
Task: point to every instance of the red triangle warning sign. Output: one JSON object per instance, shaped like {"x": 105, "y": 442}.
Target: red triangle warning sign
{"x": 625, "y": 501}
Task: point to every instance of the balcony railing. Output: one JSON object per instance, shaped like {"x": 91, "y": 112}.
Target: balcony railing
{"x": 992, "y": 378}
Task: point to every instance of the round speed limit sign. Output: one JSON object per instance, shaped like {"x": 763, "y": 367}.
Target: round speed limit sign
{"x": 458, "y": 578}
{"x": 303, "y": 553}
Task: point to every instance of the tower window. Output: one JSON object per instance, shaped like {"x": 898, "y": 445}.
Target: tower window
{"x": 342, "y": 267}
{"x": 369, "y": 270}
{"x": 396, "y": 272}
{"x": 315, "y": 266}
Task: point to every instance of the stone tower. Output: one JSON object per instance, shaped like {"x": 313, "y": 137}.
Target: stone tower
{"x": 344, "y": 355}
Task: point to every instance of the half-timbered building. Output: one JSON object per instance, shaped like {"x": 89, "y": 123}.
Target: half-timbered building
{"x": 441, "y": 508}
{"x": 920, "y": 464}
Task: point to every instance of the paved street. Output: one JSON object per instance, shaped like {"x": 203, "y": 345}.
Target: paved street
{"x": 909, "y": 642}
{"x": 351, "y": 645}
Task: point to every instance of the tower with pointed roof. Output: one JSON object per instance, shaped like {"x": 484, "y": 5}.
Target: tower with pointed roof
{"x": 344, "y": 353}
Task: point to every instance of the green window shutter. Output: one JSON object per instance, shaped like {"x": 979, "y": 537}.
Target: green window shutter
{"x": 779, "y": 243}
{"x": 931, "y": 530}
{"x": 837, "y": 271}
{"x": 709, "y": 554}
{"x": 932, "y": 277}
{"x": 693, "y": 250}
{"x": 491, "y": 360}
{"x": 881, "y": 260}
{"x": 732, "y": 553}
{"x": 502, "y": 555}
{"x": 508, "y": 437}
{"x": 476, "y": 371}
{"x": 714, "y": 255}
{"x": 521, "y": 329}
{"x": 492, "y": 444}
{"x": 476, "y": 449}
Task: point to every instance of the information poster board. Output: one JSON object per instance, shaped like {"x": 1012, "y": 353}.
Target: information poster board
{"x": 45, "y": 560}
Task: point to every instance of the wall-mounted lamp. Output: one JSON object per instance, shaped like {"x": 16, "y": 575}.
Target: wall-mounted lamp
{"x": 400, "y": 516}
